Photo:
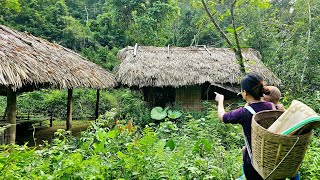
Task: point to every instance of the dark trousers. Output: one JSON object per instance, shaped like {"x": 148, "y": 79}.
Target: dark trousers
{"x": 250, "y": 172}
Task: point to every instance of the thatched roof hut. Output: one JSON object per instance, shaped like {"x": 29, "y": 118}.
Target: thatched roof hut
{"x": 158, "y": 66}
{"x": 28, "y": 62}
{"x": 179, "y": 67}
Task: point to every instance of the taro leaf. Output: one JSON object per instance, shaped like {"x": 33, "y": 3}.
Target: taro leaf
{"x": 158, "y": 113}
{"x": 170, "y": 143}
{"x": 202, "y": 145}
{"x": 174, "y": 114}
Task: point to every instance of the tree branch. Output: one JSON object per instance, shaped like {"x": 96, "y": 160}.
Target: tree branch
{"x": 306, "y": 57}
{"x": 216, "y": 24}
{"x": 85, "y": 8}
{"x": 238, "y": 49}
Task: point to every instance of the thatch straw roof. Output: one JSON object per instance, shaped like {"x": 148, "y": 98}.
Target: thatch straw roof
{"x": 27, "y": 61}
{"x": 176, "y": 66}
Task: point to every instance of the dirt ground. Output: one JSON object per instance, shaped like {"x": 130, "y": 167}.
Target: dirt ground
{"x": 45, "y": 132}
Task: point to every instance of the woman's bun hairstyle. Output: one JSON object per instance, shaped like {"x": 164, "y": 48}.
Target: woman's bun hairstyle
{"x": 253, "y": 84}
{"x": 266, "y": 90}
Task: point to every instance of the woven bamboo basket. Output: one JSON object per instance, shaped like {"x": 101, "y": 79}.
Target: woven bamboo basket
{"x": 276, "y": 156}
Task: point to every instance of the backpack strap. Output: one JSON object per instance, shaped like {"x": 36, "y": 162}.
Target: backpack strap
{"x": 253, "y": 112}
{"x": 250, "y": 109}
{"x": 274, "y": 107}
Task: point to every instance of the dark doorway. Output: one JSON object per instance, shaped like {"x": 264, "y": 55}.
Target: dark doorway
{"x": 157, "y": 96}
{"x": 207, "y": 92}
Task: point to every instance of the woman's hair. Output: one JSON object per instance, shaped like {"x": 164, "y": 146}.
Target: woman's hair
{"x": 253, "y": 84}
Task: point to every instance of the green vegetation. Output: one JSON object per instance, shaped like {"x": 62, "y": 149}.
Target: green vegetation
{"x": 158, "y": 113}
{"x": 127, "y": 152}
{"x": 193, "y": 148}
{"x": 126, "y": 142}
{"x": 284, "y": 32}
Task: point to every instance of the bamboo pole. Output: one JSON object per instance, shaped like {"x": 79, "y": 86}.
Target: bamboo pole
{"x": 12, "y": 114}
{"x": 97, "y": 104}
{"x": 69, "y": 110}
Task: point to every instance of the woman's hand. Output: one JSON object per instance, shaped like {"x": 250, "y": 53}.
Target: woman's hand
{"x": 219, "y": 97}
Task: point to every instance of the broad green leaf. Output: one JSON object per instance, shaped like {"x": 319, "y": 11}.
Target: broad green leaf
{"x": 158, "y": 113}
{"x": 174, "y": 114}
{"x": 112, "y": 134}
{"x": 206, "y": 144}
{"x": 230, "y": 30}
{"x": 98, "y": 146}
{"x": 101, "y": 135}
{"x": 202, "y": 145}
{"x": 239, "y": 28}
{"x": 170, "y": 143}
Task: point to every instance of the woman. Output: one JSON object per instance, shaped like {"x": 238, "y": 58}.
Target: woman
{"x": 252, "y": 89}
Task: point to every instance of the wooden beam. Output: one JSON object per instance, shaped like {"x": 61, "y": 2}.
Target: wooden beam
{"x": 69, "y": 110}
{"x": 11, "y": 111}
{"x": 97, "y": 104}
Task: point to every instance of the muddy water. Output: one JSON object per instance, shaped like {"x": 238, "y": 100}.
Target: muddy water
{"x": 36, "y": 136}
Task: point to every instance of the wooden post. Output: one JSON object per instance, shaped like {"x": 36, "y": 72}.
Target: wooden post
{"x": 69, "y": 110}
{"x": 2, "y": 137}
{"x": 12, "y": 114}
{"x": 51, "y": 118}
{"x": 97, "y": 104}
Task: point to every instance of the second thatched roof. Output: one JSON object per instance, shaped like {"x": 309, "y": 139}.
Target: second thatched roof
{"x": 176, "y": 66}
{"x": 27, "y": 61}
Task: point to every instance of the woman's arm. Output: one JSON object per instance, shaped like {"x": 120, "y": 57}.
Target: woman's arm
{"x": 220, "y": 98}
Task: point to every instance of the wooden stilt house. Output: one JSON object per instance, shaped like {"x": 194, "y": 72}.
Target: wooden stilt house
{"x": 187, "y": 75}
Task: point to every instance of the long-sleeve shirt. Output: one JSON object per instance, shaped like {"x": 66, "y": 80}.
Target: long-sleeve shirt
{"x": 244, "y": 117}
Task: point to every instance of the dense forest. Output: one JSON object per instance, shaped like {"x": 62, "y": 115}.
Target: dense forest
{"x": 285, "y": 32}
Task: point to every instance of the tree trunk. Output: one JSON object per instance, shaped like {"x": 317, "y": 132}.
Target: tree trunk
{"x": 69, "y": 110}
{"x": 97, "y": 104}
{"x": 12, "y": 114}
{"x": 237, "y": 50}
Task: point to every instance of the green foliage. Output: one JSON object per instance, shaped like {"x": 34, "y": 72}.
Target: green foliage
{"x": 158, "y": 113}
{"x": 3, "y": 104}
{"x": 102, "y": 56}
{"x": 310, "y": 166}
{"x": 197, "y": 146}
{"x": 55, "y": 101}
{"x": 192, "y": 149}
{"x": 170, "y": 143}
{"x": 10, "y": 4}
{"x": 104, "y": 153}
{"x": 174, "y": 114}
{"x": 75, "y": 35}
